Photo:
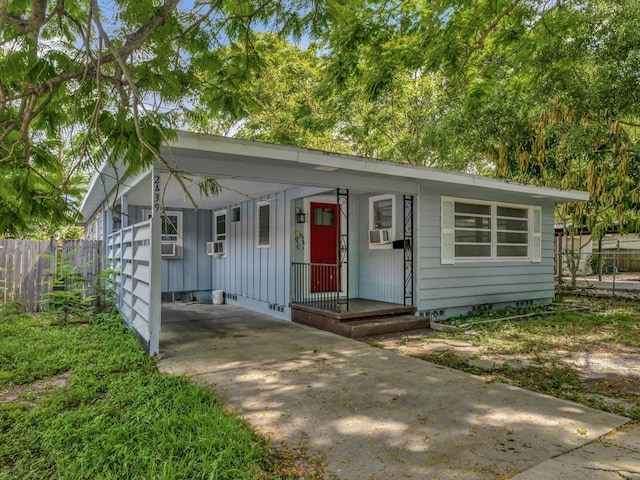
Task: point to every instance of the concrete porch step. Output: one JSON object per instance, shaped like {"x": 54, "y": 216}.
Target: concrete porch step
{"x": 379, "y": 326}
{"x": 362, "y": 327}
{"x": 354, "y": 309}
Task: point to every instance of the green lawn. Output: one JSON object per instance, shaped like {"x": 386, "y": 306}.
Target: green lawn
{"x": 116, "y": 417}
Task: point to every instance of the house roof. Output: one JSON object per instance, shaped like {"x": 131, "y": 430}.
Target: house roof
{"x": 203, "y": 154}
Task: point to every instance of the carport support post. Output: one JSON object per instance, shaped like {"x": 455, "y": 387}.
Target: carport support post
{"x": 155, "y": 267}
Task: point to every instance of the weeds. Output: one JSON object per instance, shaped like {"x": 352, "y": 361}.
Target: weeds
{"x": 557, "y": 380}
{"x": 116, "y": 417}
{"x": 609, "y": 328}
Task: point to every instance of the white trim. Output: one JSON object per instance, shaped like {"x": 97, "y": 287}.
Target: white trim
{"x": 216, "y": 238}
{"x": 536, "y": 234}
{"x": 216, "y": 214}
{"x": 447, "y": 232}
{"x": 306, "y": 202}
{"x": 104, "y": 180}
{"x": 146, "y": 215}
{"x": 258, "y": 205}
{"x": 250, "y": 148}
{"x": 392, "y": 228}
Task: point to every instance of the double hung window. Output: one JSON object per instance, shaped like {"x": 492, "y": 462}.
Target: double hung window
{"x": 171, "y": 226}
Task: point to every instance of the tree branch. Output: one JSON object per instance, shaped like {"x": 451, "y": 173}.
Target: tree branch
{"x": 134, "y": 42}
{"x": 495, "y": 23}
{"x": 136, "y": 104}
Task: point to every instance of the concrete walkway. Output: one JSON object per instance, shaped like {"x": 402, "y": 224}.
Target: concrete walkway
{"x": 373, "y": 414}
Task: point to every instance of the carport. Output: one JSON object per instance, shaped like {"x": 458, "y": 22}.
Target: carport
{"x": 367, "y": 412}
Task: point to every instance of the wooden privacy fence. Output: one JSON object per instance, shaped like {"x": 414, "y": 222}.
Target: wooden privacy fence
{"x": 25, "y": 273}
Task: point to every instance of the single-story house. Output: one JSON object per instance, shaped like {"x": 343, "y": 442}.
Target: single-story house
{"x": 319, "y": 237}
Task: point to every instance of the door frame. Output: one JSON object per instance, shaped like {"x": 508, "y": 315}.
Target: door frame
{"x": 322, "y": 198}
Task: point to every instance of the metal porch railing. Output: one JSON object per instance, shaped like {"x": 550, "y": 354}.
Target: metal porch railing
{"x": 316, "y": 285}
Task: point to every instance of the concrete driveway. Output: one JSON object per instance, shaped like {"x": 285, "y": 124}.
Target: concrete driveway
{"x": 367, "y": 412}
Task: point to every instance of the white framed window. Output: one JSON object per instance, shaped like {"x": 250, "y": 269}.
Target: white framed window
{"x": 263, "y": 230}
{"x": 220, "y": 225}
{"x": 219, "y": 245}
{"x": 382, "y": 221}
{"x": 171, "y": 225}
{"x": 235, "y": 214}
{"x": 476, "y": 231}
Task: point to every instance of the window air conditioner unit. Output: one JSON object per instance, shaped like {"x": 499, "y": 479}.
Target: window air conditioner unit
{"x": 216, "y": 248}
{"x": 169, "y": 250}
{"x": 379, "y": 237}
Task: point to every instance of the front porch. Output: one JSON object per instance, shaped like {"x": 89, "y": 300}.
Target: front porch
{"x": 344, "y": 264}
{"x": 357, "y": 317}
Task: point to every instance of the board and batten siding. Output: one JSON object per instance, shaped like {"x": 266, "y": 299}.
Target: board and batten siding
{"x": 457, "y": 288}
{"x": 192, "y": 272}
{"x": 381, "y": 271}
{"x": 258, "y": 276}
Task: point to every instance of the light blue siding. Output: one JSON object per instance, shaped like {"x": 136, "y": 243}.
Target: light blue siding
{"x": 381, "y": 271}
{"x": 458, "y": 288}
{"x": 259, "y": 278}
{"x": 192, "y": 272}
{"x": 250, "y": 272}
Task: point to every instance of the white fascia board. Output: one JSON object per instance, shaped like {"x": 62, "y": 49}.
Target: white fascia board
{"x": 85, "y": 200}
{"x": 97, "y": 190}
{"x": 233, "y": 146}
{"x": 103, "y": 186}
{"x": 127, "y": 185}
{"x": 249, "y": 148}
{"x": 558, "y": 195}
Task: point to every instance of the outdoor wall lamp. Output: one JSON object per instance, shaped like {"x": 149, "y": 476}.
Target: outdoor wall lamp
{"x": 301, "y": 217}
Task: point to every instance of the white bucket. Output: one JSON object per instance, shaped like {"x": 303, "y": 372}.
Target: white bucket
{"x": 218, "y": 297}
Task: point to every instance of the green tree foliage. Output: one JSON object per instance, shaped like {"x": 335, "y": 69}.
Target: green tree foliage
{"x": 542, "y": 91}
{"x": 289, "y": 98}
{"x": 67, "y": 298}
{"x": 281, "y": 100}
{"x": 89, "y": 82}
{"x": 546, "y": 91}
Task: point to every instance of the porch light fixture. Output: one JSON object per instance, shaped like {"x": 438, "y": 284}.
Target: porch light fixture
{"x": 301, "y": 217}
{"x": 117, "y": 223}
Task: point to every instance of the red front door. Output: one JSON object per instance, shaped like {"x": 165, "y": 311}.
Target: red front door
{"x": 325, "y": 274}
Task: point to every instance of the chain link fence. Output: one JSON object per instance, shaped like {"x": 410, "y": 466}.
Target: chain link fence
{"x": 607, "y": 272}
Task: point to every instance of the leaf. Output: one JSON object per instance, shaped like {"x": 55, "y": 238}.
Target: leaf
{"x": 209, "y": 187}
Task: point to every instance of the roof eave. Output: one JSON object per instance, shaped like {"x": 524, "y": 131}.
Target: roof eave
{"x": 250, "y": 148}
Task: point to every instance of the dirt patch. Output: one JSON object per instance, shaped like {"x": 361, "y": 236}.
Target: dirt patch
{"x": 35, "y": 390}
{"x": 618, "y": 373}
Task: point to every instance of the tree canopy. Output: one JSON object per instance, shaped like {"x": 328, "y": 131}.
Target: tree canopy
{"x": 542, "y": 91}
{"x": 90, "y": 82}
{"x": 546, "y": 91}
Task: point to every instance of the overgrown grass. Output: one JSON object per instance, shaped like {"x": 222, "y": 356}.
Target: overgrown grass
{"x": 117, "y": 417}
{"x": 608, "y": 325}
{"x": 611, "y": 327}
